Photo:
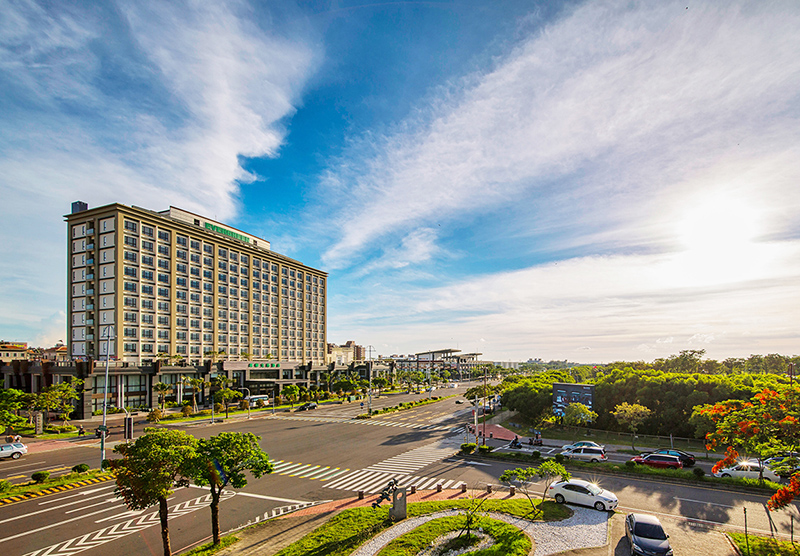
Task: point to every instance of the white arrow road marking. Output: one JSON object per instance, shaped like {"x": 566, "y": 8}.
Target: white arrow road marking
{"x": 703, "y": 502}
{"x": 108, "y": 534}
{"x": 478, "y": 463}
{"x": 78, "y": 494}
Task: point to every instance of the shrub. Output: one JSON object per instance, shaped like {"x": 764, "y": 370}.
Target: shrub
{"x": 483, "y": 448}
{"x": 80, "y": 468}
{"x": 468, "y": 447}
{"x": 630, "y": 464}
{"x": 218, "y": 408}
{"x": 699, "y": 472}
{"x": 187, "y": 411}
{"x": 155, "y": 416}
{"x": 260, "y": 404}
{"x": 40, "y": 476}
{"x": 536, "y": 454}
{"x": 5, "y": 486}
{"x": 560, "y": 458}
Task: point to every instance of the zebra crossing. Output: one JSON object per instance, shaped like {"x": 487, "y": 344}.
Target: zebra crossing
{"x": 370, "y": 422}
{"x": 306, "y": 470}
{"x": 373, "y": 482}
{"x": 401, "y": 467}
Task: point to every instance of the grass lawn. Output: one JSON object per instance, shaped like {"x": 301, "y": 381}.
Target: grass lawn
{"x": 509, "y": 541}
{"x": 351, "y": 528}
{"x": 69, "y": 478}
{"x": 763, "y": 546}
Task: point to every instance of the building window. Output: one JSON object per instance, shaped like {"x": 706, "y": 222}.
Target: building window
{"x": 183, "y": 255}
{"x": 180, "y": 267}
{"x": 147, "y": 290}
{"x": 180, "y": 240}
{"x": 130, "y": 271}
{"x": 130, "y": 226}
{"x": 222, "y": 252}
{"x": 147, "y": 246}
{"x": 162, "y": 263}
{"x": 163, "y": 250}
{"x": 147, "y": 333}
{"x": 130, "y": 287}
{"x": 163, "y": 236}
{"x": 147, "y": 275}
{"x": 130, "y": 241}
{"x": 130, "y": 256}
{"x": 194, "y": 245}
{"x": 147, "y": 231}
{"x": 129, "y": 302}
{"x": 130, "y": 348}
{"x": 147, "y": 260}
{"x": 223, "y": 290}
{"x": 181, "y": 336}
{"x": 163, "y": 292}
{"x": 147, "y": 348}
{"x": 147, "y": 304}
{"x": 181, "y": 282}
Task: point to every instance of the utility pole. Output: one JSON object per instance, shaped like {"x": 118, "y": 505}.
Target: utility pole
{"x": 485, "y": 400}
{"x": 104, "y": 427}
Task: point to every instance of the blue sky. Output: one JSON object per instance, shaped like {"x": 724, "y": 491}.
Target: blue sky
{"x": 591, "y": 181}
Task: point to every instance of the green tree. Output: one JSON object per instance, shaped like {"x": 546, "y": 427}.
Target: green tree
{"x": 548, "y": 471}
{"x": 11, "y": 401}
{"x": 290, "y": 393}
{"x": 65, "y": 394}
{"x": 150, "y": 469}
{"x": 222, "y": 460}
{"x": 577, "y": 415}
{"x": 631, "y": 415}
{"x": 225, "y": 394}
{"x": 197, "y": 385}
{"x": 162, "y": 389}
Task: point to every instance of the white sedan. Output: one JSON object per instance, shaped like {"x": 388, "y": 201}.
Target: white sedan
{"x": 577, "y": 491}
{"x": 748, "y": 470}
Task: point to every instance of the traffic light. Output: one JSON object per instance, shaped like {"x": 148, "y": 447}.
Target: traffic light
{"x": 128, "y": 428}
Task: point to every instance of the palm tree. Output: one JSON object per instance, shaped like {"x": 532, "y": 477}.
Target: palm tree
{"x": 162, "y": 389}
{"x": 196, "y": 384}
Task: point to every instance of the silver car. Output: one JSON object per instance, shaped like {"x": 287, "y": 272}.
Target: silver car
{"x": 13, "y": 450}
{"x": 591, "y": 454}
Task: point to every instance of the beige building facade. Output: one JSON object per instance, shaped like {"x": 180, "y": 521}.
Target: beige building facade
{"x": 146, "y": 285}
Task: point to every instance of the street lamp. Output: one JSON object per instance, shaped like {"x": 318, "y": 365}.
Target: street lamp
{"x": 104, "y": 427}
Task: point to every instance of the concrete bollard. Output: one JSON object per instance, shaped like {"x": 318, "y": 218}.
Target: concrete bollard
{"x": 463, "y": 487}
{"x": 512, "y": 490}
{"x": 413, "y": 489}
{"x": 439, "y": 487}
{"x": 360, "y": 494}
{"x": 489, "y": 488}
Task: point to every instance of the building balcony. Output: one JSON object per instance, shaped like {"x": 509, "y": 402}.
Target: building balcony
{"x": 90, "y": 232}
{"x": 90, "y": 291}
{"x": 90, "y": 306}
{"x": 89, "y": 261}
{"x": 90, "y": 276}
{"x": 90, "y": 246}
{"x": 89, "y": 322}
{"x": 89, "y": 337}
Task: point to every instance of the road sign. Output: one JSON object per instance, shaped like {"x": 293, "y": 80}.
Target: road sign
{"x": 102, "y": 428}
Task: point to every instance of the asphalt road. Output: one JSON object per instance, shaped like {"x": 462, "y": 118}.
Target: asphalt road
{"x": 320, "y": 455}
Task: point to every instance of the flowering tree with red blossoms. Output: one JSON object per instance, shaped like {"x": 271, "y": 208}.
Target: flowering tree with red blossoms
{"x": 766, "y": 425}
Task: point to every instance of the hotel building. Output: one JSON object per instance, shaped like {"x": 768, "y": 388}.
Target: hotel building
{"x": 146, "y": 285}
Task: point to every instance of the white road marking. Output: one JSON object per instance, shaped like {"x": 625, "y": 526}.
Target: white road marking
{"x": 703, "y": 502}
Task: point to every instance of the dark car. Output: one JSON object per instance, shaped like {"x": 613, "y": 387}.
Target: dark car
{"x": 686, "y": 458}
{"x": 659, "y": 460}
{"x": 646, "y": 535}
{"x": 307, "y": 406}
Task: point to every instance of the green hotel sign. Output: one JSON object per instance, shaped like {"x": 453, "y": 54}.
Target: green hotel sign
{"x": 228, "y": 233}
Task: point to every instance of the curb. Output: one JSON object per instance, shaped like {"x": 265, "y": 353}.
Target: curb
{"x": 54, "y": 490}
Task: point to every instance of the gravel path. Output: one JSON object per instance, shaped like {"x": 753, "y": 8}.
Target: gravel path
{"x": 586, "y": 528}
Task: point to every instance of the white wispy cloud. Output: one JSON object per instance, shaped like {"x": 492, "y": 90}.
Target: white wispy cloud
{"x": 594, "y": 114}
{"x": 145, "y": 103}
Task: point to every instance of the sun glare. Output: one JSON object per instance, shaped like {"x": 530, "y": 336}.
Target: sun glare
{"x": 718, "y": 236}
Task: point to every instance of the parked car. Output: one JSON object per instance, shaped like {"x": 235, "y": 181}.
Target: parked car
{"x": 578, "y": 491}
{"x": 686, "y": 458}
{"x": 582, "y": 444}
{"x": 586, "y": 454}
{"x": 14, "y": 450}
{"x": 646, "y": 536}
{"x": 459, "y": 401}
{"x": 785, "y": 464}
{"x": 307, "y": 406}
{"x": 748, "y": 470}
{"x": 659, "y": 460}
